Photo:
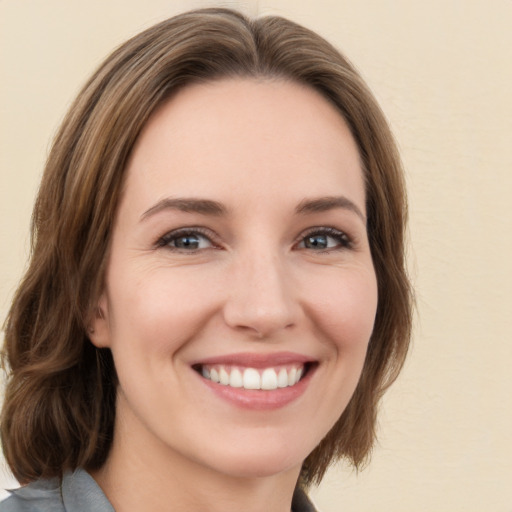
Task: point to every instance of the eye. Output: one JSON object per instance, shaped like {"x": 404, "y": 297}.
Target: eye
{"x": 188, "y": 240}
{"x": 324, "y": 239}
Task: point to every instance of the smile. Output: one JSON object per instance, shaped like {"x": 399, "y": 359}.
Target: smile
{"x": 258, "y": 382}
{"x": 251, "y": 378}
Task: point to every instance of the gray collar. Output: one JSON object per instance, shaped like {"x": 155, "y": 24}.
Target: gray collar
{"x": 80, "y": 492}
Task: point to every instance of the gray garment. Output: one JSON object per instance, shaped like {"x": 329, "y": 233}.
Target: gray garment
{"x": 80, "y": 493}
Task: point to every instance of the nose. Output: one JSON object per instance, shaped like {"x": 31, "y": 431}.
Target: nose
{"x": 261, "y": 297}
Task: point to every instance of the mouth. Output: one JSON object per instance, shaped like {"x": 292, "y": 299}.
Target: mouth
{"x": 258, "y": 382}
{"x": 267, "y": 378}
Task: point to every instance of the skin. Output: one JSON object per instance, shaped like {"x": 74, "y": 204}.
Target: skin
{"x": 255, "y": 284}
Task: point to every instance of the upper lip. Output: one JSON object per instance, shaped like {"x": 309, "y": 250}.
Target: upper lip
{"x": 253, "y": 360}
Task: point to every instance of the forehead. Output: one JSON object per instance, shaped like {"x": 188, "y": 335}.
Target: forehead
{"x": 248, "y": 136}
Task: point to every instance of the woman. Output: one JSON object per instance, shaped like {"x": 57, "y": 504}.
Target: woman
{"x": 216, "y": 298}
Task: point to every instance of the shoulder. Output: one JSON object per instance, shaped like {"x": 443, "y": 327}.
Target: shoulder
{"x": 39, "y": 496}
{"x": 77, "y": 492}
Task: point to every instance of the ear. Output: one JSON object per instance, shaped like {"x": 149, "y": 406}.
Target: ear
{"x": 98, "y": 326}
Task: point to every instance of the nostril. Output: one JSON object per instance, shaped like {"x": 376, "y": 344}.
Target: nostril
{"x": 259, "y": 323}
{"x": 261, "y": 299}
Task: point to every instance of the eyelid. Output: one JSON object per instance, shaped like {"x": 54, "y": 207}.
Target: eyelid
{"x": 163, "y": 241}
{"x": 346, "y": 241}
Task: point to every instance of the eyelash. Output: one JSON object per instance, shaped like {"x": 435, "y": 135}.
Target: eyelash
{"x": 342, "y": 239}
{"x": 165, "y": 241}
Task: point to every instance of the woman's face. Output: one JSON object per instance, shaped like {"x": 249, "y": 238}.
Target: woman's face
{"x": 239, "y": 253}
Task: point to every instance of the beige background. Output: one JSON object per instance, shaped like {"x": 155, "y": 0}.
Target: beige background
{"x": 442, "y": 70}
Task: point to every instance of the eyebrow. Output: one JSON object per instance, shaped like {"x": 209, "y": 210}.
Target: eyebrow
{"x": 323, "y": 204}
{"x": 209, "y": 207}
{"x": 188, "y": 205}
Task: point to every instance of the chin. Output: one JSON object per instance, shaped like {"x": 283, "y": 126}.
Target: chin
{"x": 259, "y": 462}
{"x": 262, "y": 468}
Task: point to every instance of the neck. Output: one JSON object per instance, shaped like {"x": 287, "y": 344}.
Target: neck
{"x": 155, "y": 477}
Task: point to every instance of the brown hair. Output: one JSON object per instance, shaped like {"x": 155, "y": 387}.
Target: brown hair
{"x": 59, "y": 406}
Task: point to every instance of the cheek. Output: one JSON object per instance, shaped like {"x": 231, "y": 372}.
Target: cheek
{"x": 159, "y": 310}
{"x": 345, "y": 308}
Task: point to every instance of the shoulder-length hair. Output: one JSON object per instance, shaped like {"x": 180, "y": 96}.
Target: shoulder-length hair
{"x": 59, "y": 406}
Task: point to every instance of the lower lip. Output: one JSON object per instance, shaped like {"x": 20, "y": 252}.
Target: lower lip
{"x": 259, "y": 399}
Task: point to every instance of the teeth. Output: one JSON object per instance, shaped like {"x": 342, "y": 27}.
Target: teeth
{"x": 224, "y": 377}
{"x": 214, "y": 376}
{"x": 282, "y": 378}
{"x": 250, "y": 378}
{"x": 235, "y": 379}
{"x": 269, "y": 379}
